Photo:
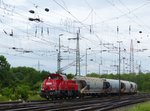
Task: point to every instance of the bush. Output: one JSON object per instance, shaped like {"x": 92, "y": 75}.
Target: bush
{"x": 7, "y": 92}
{"x": 22, "y": 92}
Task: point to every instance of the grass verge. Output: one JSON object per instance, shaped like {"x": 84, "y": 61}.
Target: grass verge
{"x": 141, "y": 107}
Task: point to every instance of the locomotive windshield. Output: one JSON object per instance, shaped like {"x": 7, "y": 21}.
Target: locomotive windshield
{"x": 54, "y": 77}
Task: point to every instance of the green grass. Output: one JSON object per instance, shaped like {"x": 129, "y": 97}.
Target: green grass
{"x": 31, "y": 97}
{"x": 141, "y": 107}
{"x": 35, "y": 97}
{"x": 3, "y": 98}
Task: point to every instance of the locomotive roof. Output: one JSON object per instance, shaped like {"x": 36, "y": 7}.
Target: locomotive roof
{"x": 59, "y": 75}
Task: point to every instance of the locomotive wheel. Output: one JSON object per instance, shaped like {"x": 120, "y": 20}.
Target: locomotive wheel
{"x": 81, "y": 96}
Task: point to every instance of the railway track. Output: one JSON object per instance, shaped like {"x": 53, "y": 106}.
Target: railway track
{"x": 87, "y": 104}
{"x": 21, "y": 104}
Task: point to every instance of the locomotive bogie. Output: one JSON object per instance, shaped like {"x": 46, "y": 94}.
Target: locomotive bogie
{"x": 59, "y": 94}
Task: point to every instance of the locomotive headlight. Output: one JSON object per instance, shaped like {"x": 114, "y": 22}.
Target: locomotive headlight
{"x": 48, "y": 83}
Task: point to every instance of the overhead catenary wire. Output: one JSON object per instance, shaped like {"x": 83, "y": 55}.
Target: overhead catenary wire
{"x": 75, "y": 18}
{"x": 136, "y": 17}
{"x": 145, "y": 3}
{"x": 50, "y": 26}
{"x": 52, "y": 43}
{"x": 81, "y": 36}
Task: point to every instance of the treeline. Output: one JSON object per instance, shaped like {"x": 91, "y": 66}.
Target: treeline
{"x": 19, "y": 82}
{"x": 24, "y": 82}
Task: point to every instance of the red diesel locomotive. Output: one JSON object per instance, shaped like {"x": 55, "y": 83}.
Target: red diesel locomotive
{"x": 57, "y": 86}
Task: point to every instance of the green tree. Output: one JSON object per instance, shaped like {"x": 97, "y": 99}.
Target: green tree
{"x": 5, "y": 76}
{"x": 28, "y": 76}
{"x": 4, "y": 65}
{"x": 70, "y": 76}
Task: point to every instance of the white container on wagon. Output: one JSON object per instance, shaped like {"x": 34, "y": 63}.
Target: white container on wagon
{"x": 93, "y": 85}
{"x": 114, "y": 86}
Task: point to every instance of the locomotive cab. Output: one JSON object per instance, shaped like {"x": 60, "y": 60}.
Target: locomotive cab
{"x": 50, "y": 85}
{"x": 51, "y": 81}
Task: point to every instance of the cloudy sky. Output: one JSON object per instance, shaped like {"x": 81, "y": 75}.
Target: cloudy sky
{"x": 102, "y": 23}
